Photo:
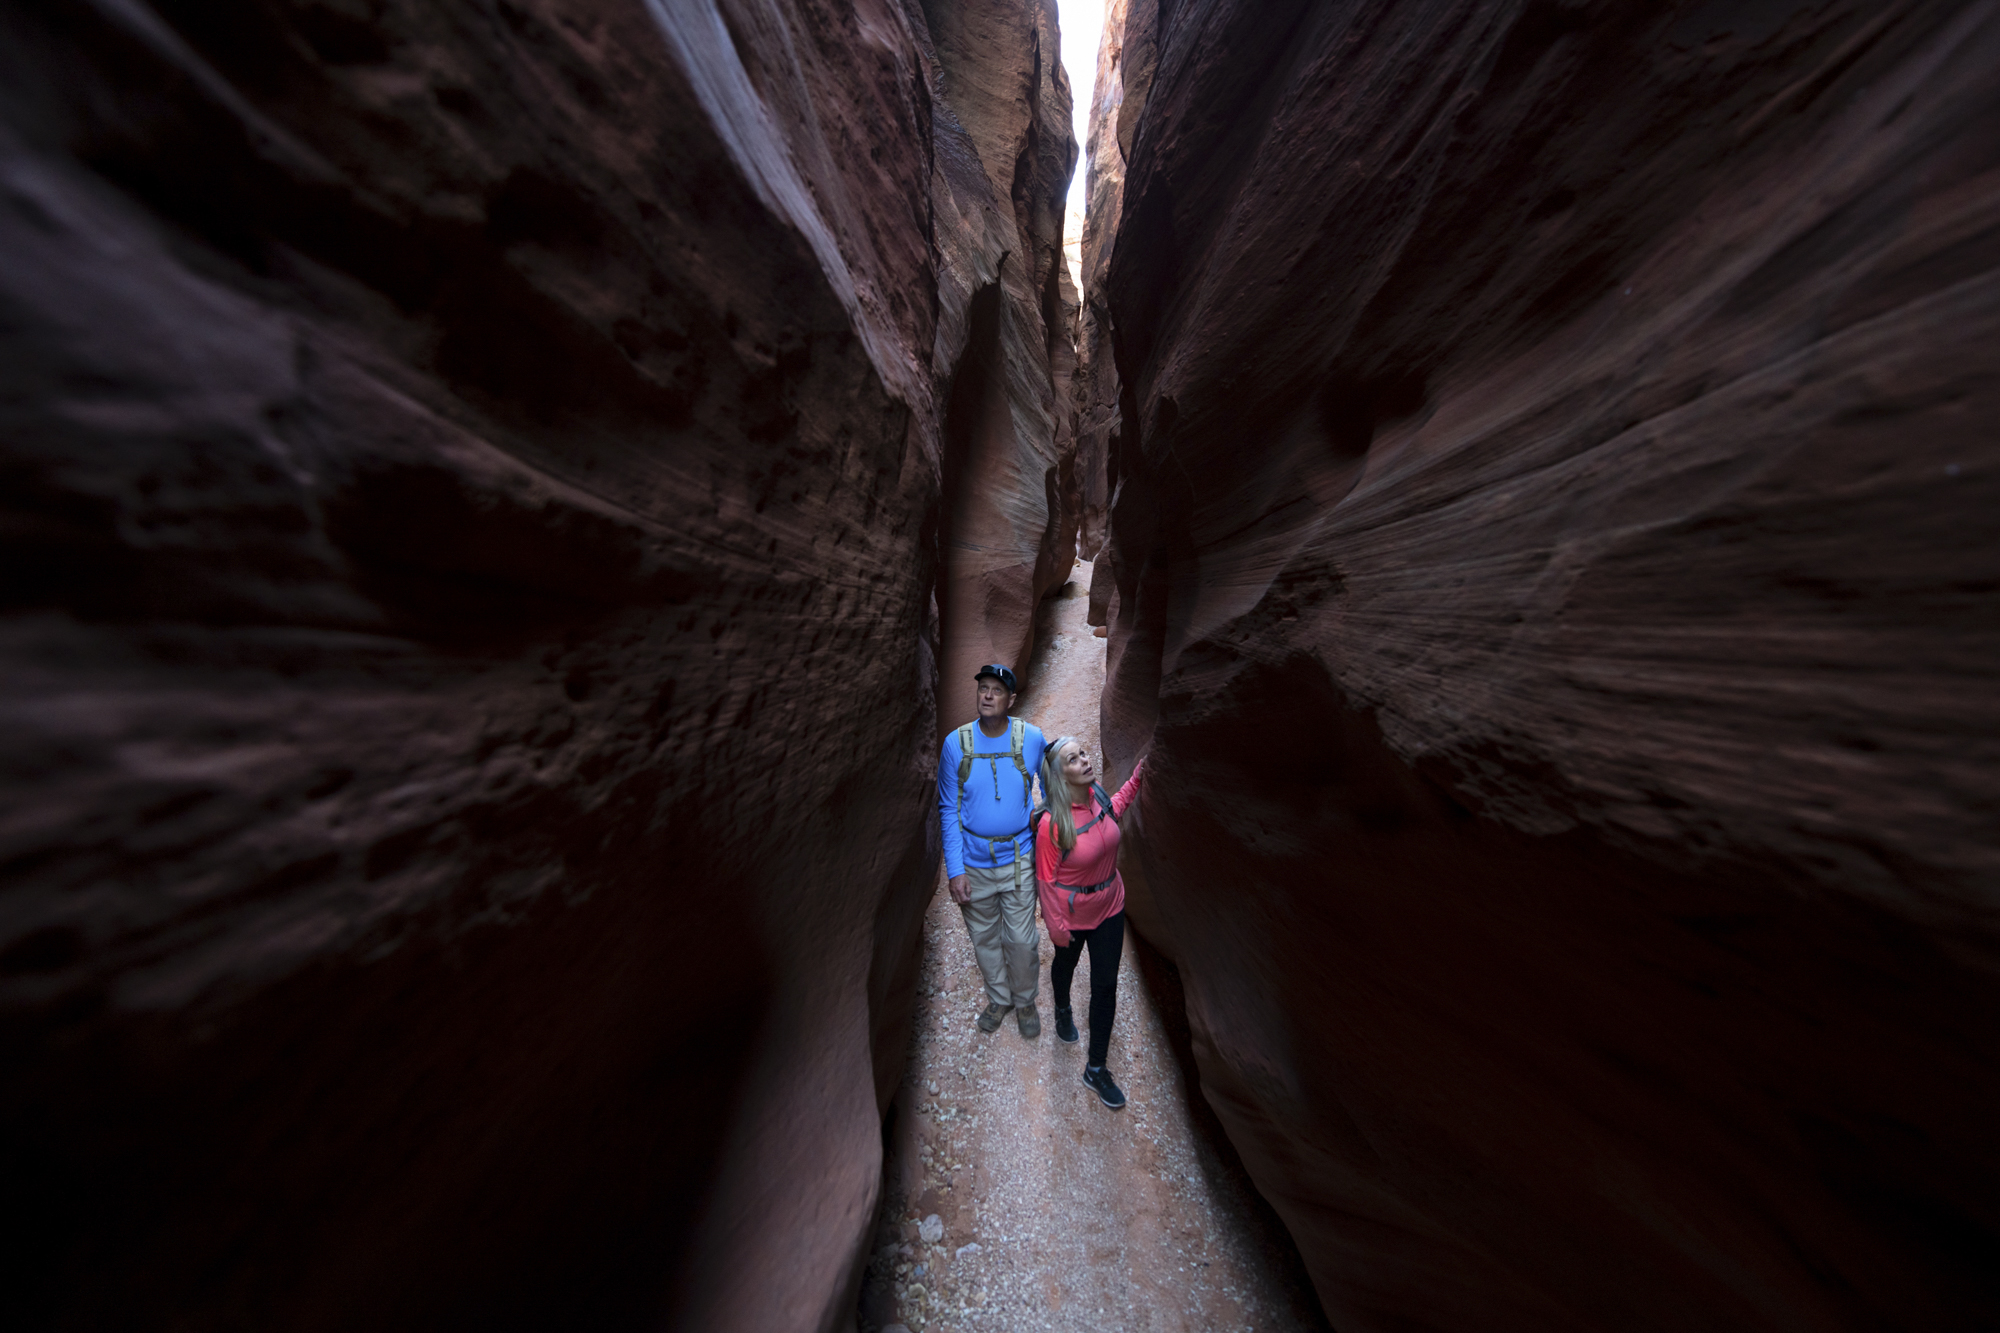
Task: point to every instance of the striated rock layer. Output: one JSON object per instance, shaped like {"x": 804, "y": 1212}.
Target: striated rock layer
{"x": 473, "y": 480}
{"x": 1009, "y": 436}
{"x": 1095, "y": 385}
{"x": 1555, "y": 461}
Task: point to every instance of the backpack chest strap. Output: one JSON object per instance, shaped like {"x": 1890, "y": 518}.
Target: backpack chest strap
{"x": 1017, "y": 732}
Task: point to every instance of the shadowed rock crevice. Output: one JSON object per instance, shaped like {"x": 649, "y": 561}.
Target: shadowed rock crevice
{"x": 1548, "y": 446}
{"x": 400, "y": 1086}
{"x": 976, "y": 426}
{"x": 1515, "y": 983}
{"x": 1219, "y": 1157}
{"x": 450, "y": 455}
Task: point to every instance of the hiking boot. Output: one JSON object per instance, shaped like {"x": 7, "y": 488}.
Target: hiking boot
{"x": 990, "y": 1020}
{"x": 1030, "y": 1020}
{"x": 1065, "y": 1025}
{"x": 1098, "y": 1079}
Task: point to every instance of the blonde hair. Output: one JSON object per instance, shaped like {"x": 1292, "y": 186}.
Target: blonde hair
{"x": 1056, "y": 793}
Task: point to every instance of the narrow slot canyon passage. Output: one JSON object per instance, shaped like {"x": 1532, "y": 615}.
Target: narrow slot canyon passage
{"x": 1047, "y": 1209}
{"x": 502, "y": 502}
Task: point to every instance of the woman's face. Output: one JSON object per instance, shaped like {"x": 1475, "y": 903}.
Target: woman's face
{"x": 1077, "y": 770}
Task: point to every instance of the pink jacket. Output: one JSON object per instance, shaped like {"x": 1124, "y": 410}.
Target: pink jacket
{"x": 1093, "y": 860}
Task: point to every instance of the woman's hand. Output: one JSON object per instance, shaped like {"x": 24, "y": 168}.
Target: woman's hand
{"x": 960, "y": 889}
{"x": 1059, "y": 938}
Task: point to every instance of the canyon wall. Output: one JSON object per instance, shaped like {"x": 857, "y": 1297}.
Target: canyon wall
{"x": 474, "y": 482}
{"x": 1555, "y": 457}
{"x": 1095, "y": 384}
{"x": 1009, "y": 433}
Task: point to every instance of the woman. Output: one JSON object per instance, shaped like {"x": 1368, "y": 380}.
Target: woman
{"x": 1083, "y": 898}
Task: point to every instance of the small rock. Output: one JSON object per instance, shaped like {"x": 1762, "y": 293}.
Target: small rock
{"x": 932, "y": 1230}
{"x": 933, "y": 1087}
{"x": 964, "y": 1250}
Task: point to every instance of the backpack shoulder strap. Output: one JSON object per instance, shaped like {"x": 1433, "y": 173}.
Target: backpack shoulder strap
{"x": 1019, "y": 730}
{"x": 1104, "y": 802}
{"x": 964, "y": 760}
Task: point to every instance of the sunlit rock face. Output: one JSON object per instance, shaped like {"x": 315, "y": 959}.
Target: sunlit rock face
{"x": 1556, "y": 585}
{"x": 473, "y": 480}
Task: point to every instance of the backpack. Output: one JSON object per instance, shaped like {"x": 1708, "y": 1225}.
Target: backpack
{"x": 1017, "y": 731}
{"x": 1035, "y": 821}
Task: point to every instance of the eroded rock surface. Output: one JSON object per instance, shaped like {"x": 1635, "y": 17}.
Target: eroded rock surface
{"x": 1009, "y": 433}
{"x": 1555, "y": 581}
{"x": 473, "y": 479}
{"x": 1096, "y": 384}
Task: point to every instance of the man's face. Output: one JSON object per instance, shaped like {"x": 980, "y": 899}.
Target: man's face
{"x": 994, "y": 699}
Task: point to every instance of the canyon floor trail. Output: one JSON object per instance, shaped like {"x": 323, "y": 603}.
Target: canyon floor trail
{"x": 1058, "y": 1213}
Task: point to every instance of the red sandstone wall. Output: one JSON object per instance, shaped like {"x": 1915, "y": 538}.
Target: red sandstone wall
{"x": 472, "y": 483}
{"x": 1556, "y": 583}
{"x": 1096, "y": 383}
{"x": 1005, "y": 151}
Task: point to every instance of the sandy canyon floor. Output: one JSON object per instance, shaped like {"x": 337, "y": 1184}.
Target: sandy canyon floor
{"x": 1051, "y": 1211}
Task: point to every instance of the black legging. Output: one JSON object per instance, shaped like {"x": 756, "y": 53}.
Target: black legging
{"x": 1107, "y": 942}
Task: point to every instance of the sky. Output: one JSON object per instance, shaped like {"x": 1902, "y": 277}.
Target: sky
{"x": 1082, "y": 22}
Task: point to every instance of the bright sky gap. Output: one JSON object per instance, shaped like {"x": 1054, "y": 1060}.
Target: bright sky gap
{"x": 1082, "y": 23}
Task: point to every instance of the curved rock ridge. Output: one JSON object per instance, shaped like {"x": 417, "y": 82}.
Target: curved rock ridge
{"x": 474, "y": 478}
{"x": 1554, "y": 456}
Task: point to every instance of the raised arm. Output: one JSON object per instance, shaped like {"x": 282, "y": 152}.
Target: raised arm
{"x": 1129, "y": 792}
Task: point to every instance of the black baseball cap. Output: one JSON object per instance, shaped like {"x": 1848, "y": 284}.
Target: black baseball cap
{"x": 1002, "y": 674}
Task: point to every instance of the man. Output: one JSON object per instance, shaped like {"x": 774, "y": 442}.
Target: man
{"x": 984, "y": 803}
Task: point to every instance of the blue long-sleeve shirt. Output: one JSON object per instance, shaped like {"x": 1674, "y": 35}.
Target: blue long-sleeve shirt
{"x": 996, "y": 800}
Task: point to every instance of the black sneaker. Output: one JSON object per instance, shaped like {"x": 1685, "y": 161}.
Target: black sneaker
{"x": 1098, "y": 1079}
{"x": 1065, "y": 1025}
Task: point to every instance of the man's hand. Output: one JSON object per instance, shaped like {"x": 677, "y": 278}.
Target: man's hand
{"x": 960, "y": 889}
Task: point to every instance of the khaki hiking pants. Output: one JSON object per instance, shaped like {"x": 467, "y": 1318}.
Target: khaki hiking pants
{"x": 1001, "y": 920}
